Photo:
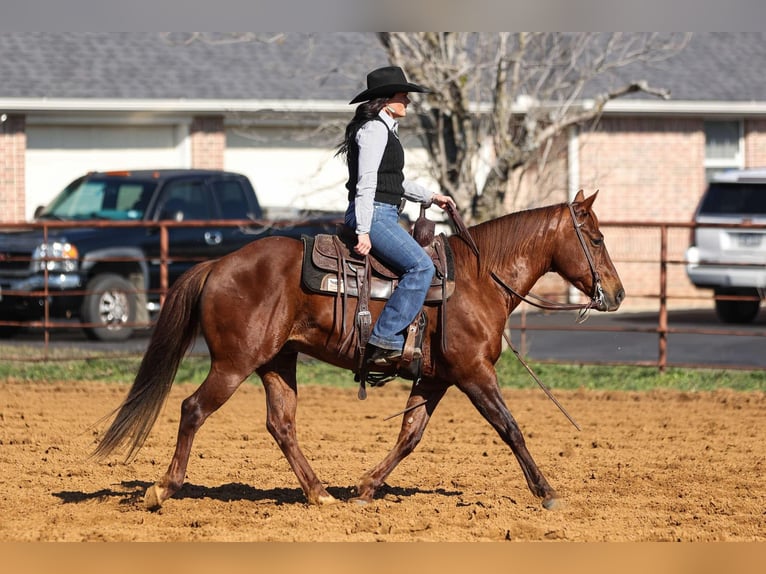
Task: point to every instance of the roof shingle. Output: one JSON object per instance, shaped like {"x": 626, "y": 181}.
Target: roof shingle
{"x": 715, "y": 66}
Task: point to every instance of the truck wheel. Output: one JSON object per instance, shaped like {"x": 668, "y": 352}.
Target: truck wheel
{"x": 109, "y": 308}
{"x": 737, "y": 311}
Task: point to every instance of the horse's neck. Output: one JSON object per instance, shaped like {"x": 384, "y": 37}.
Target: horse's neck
{"x": 518, "y": 246}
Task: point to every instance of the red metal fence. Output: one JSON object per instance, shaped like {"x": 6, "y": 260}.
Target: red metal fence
{"x": 46, "y": 324}
{"x": 664, "y": 254}
{"x": 660, "y": 254}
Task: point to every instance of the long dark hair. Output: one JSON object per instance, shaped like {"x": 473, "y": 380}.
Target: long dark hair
{"x": 365, "y": 112}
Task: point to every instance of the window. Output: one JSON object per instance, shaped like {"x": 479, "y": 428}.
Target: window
{"x": 746, "y": 199}
{"x": 723, "y": 146}
{"x": 188, "y": 197}
{"x": 232, "y": 198}
{"x": 103, "y": 198}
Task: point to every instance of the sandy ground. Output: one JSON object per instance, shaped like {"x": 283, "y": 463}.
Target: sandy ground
{"x": 654, "y": 466}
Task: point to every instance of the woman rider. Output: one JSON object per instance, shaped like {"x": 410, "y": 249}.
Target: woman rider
{"x": 376, "y": 190}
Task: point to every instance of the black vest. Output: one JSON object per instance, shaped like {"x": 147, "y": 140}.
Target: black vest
{"x": 390, "y": 172}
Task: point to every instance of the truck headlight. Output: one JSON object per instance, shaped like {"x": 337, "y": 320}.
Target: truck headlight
{"x": 55, "y": 256}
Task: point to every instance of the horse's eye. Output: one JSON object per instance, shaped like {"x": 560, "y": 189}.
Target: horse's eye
{"x": 597, "y": 241}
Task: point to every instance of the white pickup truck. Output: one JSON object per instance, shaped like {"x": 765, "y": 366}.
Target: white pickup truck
{"x": 731, "y": 260}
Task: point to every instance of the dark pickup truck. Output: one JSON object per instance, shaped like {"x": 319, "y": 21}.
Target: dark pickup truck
{"x": 108, "y": 275}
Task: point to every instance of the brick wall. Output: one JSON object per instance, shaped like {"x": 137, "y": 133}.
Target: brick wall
{"x": 543, "y": 181}
{"x": 208, "y": 142}
{"x": 646, "y": 169}
{"x": 13, "y": 144}
{"x": 755, "y": 143}
{"x": 651, "y": 170}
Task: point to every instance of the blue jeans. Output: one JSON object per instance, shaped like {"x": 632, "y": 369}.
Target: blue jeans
{"x": 393, "y": 245}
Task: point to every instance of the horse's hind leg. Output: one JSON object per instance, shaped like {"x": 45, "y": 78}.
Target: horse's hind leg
{"x": 413, "y": 425}
{"x": 214, "y": 392}
{"x": 485, "y": 396}
{"x": 278, "y": 378}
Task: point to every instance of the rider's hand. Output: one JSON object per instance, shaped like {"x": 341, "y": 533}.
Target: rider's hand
{"x": 363, "y": 244}
{"x": 443, "y": 200}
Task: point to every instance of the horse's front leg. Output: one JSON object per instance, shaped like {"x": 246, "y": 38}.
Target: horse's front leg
{"x": 281, "y": 404}
{"x": 484, "y": 393}
{"x": 413, "y": 424}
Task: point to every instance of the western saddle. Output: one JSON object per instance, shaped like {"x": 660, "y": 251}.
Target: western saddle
{"x": 332, "y": 267}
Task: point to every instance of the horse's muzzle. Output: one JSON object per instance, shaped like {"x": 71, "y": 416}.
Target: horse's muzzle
{"x": 607, "y": 303}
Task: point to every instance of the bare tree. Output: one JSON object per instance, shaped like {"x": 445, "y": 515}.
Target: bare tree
{"x": 503, "y": 102}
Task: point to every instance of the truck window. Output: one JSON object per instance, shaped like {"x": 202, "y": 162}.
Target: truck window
{"x": 102, "y": 198}
{"x": 128, "y": 195}
{"x": 189, "y": 197}
{"x": 232, "y": 199}
{"x": 735, "y": 199}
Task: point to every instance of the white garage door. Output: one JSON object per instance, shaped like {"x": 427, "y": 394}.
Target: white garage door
{"x": 58, "y": 154}
{"x": 288, "y": 168}
{"x": 299, "y": 169}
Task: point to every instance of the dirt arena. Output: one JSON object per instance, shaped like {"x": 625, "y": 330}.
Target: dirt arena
{"x": 655, "y": 466}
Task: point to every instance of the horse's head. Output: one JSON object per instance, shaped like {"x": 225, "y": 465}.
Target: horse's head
{"x": 582, "y": 258}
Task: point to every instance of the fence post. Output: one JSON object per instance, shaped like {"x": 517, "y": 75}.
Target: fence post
{"x": 164, "y": 248}
{"x": 46, "y": 302}
{"x": 663, "y": 314}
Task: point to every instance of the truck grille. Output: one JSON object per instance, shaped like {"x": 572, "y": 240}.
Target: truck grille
{"x": 14, "y": 263}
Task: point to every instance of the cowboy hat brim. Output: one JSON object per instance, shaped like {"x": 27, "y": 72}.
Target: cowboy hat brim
{"x": 388, "y": 90}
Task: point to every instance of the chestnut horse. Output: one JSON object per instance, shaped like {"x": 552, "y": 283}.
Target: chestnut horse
{"x": 257, "y": 317}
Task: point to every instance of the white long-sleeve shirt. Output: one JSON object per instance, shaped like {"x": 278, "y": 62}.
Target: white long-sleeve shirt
{"x": 372, "y": 139}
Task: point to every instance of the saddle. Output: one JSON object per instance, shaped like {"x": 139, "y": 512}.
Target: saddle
{"x": 331, "y": 266}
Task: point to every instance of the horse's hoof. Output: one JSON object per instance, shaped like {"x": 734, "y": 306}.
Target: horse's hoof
{"x": 553, "y": 503}
{"x": 359, "y": 501}
{"x": 326, "y": 500}
{"x": 152, "y": 498}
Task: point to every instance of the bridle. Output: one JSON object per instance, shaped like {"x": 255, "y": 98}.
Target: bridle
{"x": 596, "y": 296}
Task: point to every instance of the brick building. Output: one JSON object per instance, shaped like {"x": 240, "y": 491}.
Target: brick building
{"x": 273, "y": 108}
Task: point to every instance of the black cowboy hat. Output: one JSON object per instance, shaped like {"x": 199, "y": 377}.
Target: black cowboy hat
{"x": 386, "y": 81}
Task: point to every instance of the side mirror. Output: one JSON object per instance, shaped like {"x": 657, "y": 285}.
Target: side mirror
{"x": 38, "y": 210}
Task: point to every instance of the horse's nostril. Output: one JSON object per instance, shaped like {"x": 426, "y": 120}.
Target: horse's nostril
{"x": 620, "y": 296}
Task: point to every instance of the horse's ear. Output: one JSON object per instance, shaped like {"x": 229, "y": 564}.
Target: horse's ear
{"x": 586, "y": 203}
{"x": 579, "y": 197}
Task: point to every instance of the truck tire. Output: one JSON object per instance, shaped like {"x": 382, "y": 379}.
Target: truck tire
{"x": 109, "y": 308}
{"x": 737, "y": 311}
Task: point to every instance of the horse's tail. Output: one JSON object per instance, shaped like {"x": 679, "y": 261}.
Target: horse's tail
{"x": 174, "y": 333}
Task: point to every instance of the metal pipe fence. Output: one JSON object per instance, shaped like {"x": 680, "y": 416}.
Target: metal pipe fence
{"x": 664, "y": 260}
{"x": 659, "y": 255}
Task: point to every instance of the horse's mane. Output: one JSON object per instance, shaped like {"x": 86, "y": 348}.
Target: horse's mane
{"x": 519, "y": 232}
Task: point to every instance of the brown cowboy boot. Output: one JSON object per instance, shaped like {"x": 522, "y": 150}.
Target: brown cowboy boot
{"x": 387, "y": 357}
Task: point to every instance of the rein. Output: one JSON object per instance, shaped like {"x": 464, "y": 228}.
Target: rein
{"x": 545, "y": 389}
